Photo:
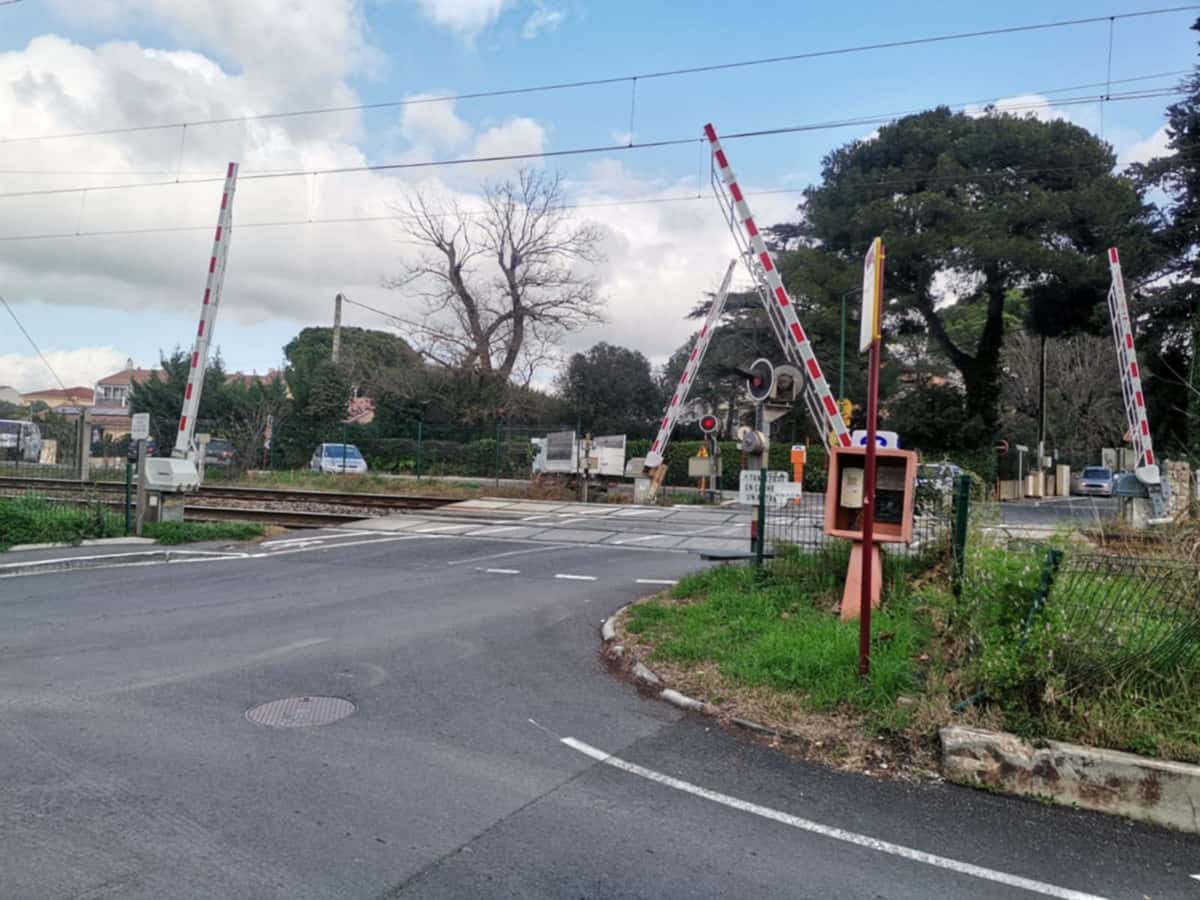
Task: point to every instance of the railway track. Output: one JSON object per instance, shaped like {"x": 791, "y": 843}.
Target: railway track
{"x": 275, "y": 506}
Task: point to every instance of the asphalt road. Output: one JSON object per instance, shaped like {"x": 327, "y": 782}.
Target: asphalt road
{"x": 1057, "y": 511}
{"x": 128, "y": 768}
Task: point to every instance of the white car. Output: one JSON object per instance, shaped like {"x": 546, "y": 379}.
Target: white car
{"x": 338, "y": 459}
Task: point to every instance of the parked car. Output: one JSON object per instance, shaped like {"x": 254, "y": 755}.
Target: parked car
{"x": 219, "y": 452}
{"x": 937, "y": 477}
{"x": 1095, "y": 481}
{"x": 338, "y": 459}
{"x": 151, "y": 449}
{"x": 20, "y": 440}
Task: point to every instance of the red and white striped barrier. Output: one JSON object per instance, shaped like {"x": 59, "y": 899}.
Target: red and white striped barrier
{"x": 762, "y": 268}
{"x": 184, "y": 448}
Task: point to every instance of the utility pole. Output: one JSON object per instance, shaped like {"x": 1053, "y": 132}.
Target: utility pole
{"x": 1042, "y": 408}
{"x": 337, "y": 327}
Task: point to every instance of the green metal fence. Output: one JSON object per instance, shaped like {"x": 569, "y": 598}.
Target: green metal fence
{"x": 37, "y": 517}
{"x": 1121, "y": 617}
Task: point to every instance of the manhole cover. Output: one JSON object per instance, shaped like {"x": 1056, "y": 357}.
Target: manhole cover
{"x": 300, "y": 712}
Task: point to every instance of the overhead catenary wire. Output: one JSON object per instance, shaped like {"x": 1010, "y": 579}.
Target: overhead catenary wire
{"x": 876, "y": 119}
{"x": 33, "y": 343}
{"x": 178, "y": 172}
{"x": 615, "y": 79}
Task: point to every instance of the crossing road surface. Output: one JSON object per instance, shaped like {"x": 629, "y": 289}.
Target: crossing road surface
{"x": 490, "y": 753}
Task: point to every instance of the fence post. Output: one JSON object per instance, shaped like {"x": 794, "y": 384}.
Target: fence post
{"x": 128, "y": 494}
{"x": 962, "y": 510}
{"x": 420, "y": 429}
{"x": 762, "y": 517}
{"x": 498, "y": 426}
{"x": 1049, "y": 568}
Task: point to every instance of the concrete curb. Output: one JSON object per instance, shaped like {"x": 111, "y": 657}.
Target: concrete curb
{"x": 647, "y": 676}
{"x": 1135, "y": 787}
{"x": 104, "y": 560}
{"x": 90, "y": 542}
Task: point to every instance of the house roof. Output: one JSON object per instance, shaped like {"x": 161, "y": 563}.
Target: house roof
{"x": 84, "y": 394}
{"x": 131, "y": 376}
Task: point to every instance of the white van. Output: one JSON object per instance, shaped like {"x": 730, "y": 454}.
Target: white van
{"x": 20, "y": 440}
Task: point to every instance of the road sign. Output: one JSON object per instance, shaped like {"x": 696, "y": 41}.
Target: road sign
{"x": 1001, "y": 447}
{"x": 889, "y": 440}
{"x": 779, "y": 488}
{"x": 871, "y": 300}
{"x": 139, "y": 429}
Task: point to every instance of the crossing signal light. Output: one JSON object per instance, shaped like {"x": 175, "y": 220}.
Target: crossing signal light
{"x": 760, "y": 380}
{"x": 708, "y": 424}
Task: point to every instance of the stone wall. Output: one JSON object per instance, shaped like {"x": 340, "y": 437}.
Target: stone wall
{"x": 1178, "y": 477}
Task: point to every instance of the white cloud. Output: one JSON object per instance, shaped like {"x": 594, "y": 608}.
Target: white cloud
{"x": 1147, "y": 149}
{"x": 1036, "y": 105}
{"x": 434, "y": 125}
{"x": 544, "y": 18}
{"x": 81, "y": 367}
{"x": 517, "y": 135}
{"x": 466, "y": 17}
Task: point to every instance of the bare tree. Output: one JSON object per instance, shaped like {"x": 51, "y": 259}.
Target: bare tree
{"x": 501, "y": 283}
{"x": 1084, "y": 410}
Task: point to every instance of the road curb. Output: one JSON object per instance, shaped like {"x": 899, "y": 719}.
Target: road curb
{"x": 1135, "y": 787}
{"x": 100, "y": 561}
{"x": 647, "y": 676}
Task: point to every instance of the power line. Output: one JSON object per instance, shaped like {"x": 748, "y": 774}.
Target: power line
{"x": 616, "y": 79}
{"x": 245, "y": 173}
{"x": 877, "y": 119}
{"x": 33, "y": 343}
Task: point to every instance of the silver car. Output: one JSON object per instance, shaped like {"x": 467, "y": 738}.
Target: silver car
{"x": 1095, "y": 481}
{"x": 338, "y": 459}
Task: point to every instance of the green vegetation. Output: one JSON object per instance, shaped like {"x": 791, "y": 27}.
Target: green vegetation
{"x": 781, "y": 630}
{"x": 192, "y": 532}
{"x": 40, "y": 520}
{"x": 1109, "y": 658}
{"x": 35, "y": 520}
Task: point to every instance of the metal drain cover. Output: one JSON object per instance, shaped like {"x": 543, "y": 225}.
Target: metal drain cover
{"x": 300, "y": 712}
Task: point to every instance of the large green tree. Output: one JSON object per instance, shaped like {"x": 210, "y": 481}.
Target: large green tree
{"x": 1167, "y": 305}
{"x": 612, "y": 390}
{"x": 970, "y": 208}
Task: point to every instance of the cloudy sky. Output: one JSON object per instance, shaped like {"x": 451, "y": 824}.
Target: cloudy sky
{"x": 117, "y": 270}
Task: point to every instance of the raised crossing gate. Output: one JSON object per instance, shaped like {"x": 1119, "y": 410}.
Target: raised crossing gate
{"x": 184, "y": 444}
{"x": 1146, "y": 467}
{"x": 781, "y": 311}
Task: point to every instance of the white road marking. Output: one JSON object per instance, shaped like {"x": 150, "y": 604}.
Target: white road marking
{"x": 281, "y": 542}
{"x": 576, "y": 577}
{"x": 382, "y": 539}
{"x": 1197, "y": 877}
{"x": 656, "y": 581}
{"x": 503, "y": 571}
{"x": 648, "y": 537}
{"x": 493, "y": 529}
{"x": 436, "y": 528}
{"x": 837, "y": 834}
{"x": 542, "y": 549}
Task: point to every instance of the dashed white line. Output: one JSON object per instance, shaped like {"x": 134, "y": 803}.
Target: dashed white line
{"x": 656, "y": 581}
{"x": 539, "y": 549}
{"x": 576, "y": 577}
{"x": 648, "y": 537}
{"x": 503, "y": 571}
{"x": 837, "y": 834}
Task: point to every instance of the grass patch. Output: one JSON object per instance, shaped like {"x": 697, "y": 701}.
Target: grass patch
{"x": 780, "y": 630}
{"x": 193, "y": 532}
{"x": 1108, "y": 660}
{"x": 36, "y": 520}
